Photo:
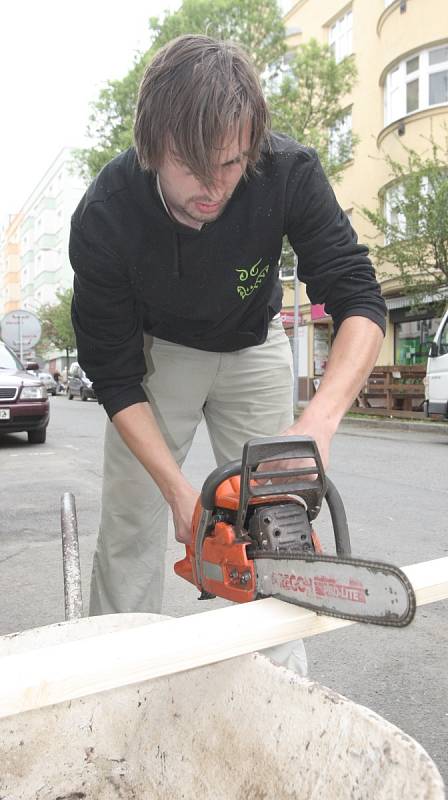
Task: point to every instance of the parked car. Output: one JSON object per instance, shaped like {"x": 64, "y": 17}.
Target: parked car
{"x": 79, "y": 384}
{"x": 49, "y": 382}
{"x": 436, "y": 380}
{"x": 24, "y": 402}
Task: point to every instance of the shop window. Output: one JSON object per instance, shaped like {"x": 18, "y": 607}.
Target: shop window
{"x": 413, "y": 339}
{"x": 322, "y": 345}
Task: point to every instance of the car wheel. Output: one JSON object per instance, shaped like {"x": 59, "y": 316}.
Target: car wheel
{"x": 37, "y": 437}
{"x": 69, "y": 395}
{"x": 83, "y": 395}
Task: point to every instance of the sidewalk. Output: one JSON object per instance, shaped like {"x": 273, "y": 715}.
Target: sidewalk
{"x": 388, "y": 423}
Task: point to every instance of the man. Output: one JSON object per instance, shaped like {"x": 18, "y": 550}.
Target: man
{"x": 175, "y": 249}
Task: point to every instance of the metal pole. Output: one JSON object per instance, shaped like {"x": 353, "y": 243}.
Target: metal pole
{"x": 70, "y": 558}
{"x": 296, "y": 337}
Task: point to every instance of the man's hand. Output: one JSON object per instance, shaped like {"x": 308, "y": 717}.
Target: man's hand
{"x": 303, "y": 427}
{"x": 317, "y": 430}
{"x": 183, "y": 506}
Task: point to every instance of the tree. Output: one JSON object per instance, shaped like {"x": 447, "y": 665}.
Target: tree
{"x": 412, "y": 217}
{"x": 57, "y": 329}
{"x": 256, "y": 24}
{"x": 307, "y": 103}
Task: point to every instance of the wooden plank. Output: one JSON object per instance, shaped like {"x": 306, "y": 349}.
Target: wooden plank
{"x": 76, "y": 669}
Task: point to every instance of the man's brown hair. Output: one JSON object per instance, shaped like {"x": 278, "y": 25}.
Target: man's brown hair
{"x": 194, "y": 93}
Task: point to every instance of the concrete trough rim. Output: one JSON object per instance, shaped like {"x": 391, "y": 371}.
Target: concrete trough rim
{"x": 209, "y": 690}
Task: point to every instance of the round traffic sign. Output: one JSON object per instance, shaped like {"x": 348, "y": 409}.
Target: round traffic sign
{"x": 20, "y": 329}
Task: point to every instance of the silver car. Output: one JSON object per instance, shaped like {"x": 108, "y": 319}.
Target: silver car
{"x": 49, "y": 382}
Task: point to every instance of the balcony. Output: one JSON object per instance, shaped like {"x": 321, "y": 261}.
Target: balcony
{"x": 410, "y": 129}
{"x": 27, "y": 225}
{"x": 403, "y": 29}
{"x": 44, "y": 204}
{"x": 48, "y": 241}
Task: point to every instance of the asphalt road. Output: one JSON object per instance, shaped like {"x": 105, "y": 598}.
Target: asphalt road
{"x": 394, "y": 485}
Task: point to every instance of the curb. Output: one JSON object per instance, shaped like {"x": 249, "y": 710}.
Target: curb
{"x": 396, "y": 425}
{"x": 388, "y": 424}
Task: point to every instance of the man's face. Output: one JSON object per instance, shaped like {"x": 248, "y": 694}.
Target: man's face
{"x": 187, "y": 199}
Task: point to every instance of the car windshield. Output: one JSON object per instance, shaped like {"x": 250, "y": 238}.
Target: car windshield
{"x": 7, "y": 358}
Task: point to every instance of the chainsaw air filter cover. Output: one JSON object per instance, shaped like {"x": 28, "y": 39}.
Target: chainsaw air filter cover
{"x": 280, "y": 527}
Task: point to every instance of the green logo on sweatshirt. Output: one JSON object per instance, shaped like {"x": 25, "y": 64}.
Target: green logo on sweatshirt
{"x": 250, "y": 279}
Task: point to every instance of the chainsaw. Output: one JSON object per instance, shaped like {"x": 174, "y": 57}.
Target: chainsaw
{"x": 253, "y": 537}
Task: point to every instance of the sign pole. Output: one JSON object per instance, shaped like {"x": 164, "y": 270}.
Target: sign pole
{"x": 296, "y": 337}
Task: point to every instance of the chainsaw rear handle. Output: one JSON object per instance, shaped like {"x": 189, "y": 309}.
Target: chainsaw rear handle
{"x": 258, "y": 451}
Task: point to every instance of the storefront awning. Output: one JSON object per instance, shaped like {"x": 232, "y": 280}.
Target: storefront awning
{"x": 393, "y": 303}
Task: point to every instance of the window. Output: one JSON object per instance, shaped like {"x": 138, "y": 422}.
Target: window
{"x": 287, "y": 273}
{"x": 443, "y": 341}
{"x": 340, "y": 37}
{"x": 406, "y": 210}
{"x": 413, "y": 340}
{"x": 415, "y": 83}
{"x": 393, "y": 210}
{"x": 340, "y": 143}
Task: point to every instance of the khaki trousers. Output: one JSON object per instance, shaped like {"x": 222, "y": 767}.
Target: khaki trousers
{"x": 241, "y": 395}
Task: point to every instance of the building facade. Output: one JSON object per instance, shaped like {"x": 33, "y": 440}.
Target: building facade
{"x": 400, "y": 98}
{"x": 10, "y": 266}
{"x": 44, "y": 233}
{"x": 34, "y": 263}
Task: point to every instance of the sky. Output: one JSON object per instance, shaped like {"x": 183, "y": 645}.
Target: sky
{"x": 55, "y": 56}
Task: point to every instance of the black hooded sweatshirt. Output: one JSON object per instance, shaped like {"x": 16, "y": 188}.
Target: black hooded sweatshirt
{"x": 137, "y": 270}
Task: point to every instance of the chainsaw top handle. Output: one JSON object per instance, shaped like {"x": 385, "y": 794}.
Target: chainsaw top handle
{"x": 306, "y": 479}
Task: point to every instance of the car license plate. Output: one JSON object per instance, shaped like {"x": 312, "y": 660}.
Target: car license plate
{"x": 5, "y": 413}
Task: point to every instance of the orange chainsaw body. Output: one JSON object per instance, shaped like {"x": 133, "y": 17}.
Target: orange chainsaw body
{"x": 228, "y": 572}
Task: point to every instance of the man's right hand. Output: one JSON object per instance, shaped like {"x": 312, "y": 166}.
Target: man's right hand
{"x": 183, "y": 507}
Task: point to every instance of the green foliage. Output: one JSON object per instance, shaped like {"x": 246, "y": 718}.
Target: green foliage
{"x": 307, "y": 102}
{"x": 57, "y": 329}
{"x": 413, "y": 219}
{"x": 111, "y": 121}
{"x": 255, "y": 24}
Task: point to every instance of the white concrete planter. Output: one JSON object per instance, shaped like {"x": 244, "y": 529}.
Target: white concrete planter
{"x": 240, "y": 729}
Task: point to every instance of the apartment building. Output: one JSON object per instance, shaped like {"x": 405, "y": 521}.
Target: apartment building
{"x": 34, "y": 248}
{"x": 10, "y": 266}
{"x": 44, "y": 233}
{"x": 400, "y": 98}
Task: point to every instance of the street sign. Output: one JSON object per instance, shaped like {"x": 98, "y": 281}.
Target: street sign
{"x": 20, "y": 330}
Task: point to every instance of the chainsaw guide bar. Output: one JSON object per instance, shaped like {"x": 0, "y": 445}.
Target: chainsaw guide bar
{"x": 348, "y": 588}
